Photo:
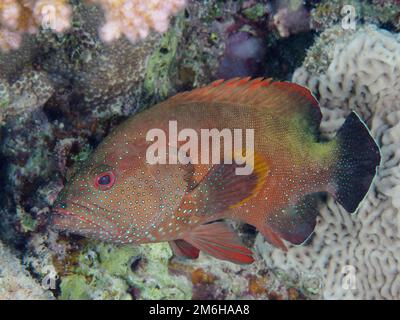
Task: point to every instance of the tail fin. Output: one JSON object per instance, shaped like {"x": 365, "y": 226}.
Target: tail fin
{"x": 357, "y": 163}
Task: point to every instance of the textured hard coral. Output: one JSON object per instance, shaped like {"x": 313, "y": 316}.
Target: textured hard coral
{"x": 327, "y": 13}
{"x": 18, "y": 17}
{"x": 363, "y": 74}
{"x": 136, "y": 18}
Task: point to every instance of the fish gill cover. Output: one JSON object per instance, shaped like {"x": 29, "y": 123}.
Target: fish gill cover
{"x": 71, "y": 71}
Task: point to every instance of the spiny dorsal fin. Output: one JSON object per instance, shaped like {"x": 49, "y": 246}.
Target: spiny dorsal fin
{"x": 283, "y": 98}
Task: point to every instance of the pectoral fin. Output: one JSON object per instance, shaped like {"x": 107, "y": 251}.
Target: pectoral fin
{"x": 222, "y": 188}
{"x": 272, "y": 237}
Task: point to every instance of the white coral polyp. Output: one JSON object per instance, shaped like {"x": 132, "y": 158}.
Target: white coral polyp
{"x": 136, "y": 18}
{"x": 55, "y": 15}
{"x": 363, "y": 75}
{"x": 9, "y": 40}
{"x": 10, "y": 13}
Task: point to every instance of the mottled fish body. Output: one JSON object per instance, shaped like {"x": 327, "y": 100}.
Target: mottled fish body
{"x": 117, "y": 196}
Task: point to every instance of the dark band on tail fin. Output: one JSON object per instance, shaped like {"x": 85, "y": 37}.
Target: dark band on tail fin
{"x": 356, "y": 167}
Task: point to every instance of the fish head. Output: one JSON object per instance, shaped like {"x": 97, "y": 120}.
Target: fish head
{"x": 117, "y": 196}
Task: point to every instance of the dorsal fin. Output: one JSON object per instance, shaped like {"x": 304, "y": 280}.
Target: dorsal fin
{"x": 283, "y": 98}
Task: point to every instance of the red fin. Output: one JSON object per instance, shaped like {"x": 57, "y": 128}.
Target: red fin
{"x": 273, "y": 238}
{"x": 222, "y": 188}
{"x": 296, "y": 223}
{"x": 281, "y": 98}
{"x": 183, "y": 249}
{"x": 219, "y": 241}
{"x": 298, "y": 89}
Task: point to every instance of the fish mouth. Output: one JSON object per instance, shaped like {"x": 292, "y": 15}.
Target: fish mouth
{"x": 65, "y": 220}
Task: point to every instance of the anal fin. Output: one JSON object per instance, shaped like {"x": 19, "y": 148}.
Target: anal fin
{"x": 219, "y": 241}
{"x": 296, "y": 223}
{"x": 272, "y": 237}
{"x": 181, "y": 248}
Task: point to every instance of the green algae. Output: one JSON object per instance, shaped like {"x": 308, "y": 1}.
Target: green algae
{"x": 161, "y": 64}
{"x": 255, "y": 12}
{"x": 4, "y": 95}
{"x": 154, "y": 280}
{"x": 28, "y": 223}
{"x": 105, "y": 271}
{"x": 83, "y": 154}
{"x": 74, "y": 287}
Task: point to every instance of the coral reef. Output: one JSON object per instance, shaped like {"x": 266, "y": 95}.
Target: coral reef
{"x": 216, "y": 279}
{"x": 62, "y": 92}
{"x": 243, "y": 56}
{"x": 136, "y": 18}
{"x": 108, "y": 272}
{"x": 291, "y": 17}
{"x": 362, "y": 74}
{"x": 18, "y": 17}
{"x": 328, "y": 13}
{"x": 15, "y": 281}
{"x": 60, "y": 95}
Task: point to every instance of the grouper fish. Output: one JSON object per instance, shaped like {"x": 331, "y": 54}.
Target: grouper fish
{"x": 118, "y": 196}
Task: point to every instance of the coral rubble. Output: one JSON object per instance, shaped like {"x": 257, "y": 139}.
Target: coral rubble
{"x": 15, "y": 281}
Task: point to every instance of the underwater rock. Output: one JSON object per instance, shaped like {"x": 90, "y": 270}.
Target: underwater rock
{"x": 291, "y": 17}
{"x": 26, "y": 17}
{"x": 327, "y": 13}
{"x": 15, "y": 282}
{"x": 105, "y": 271}
{"x": 355, "y": 256}
{"x": 24, "y": 148}
{"x": 244, "y": 56}
{"x": 58, "y": 93}
{"x": 220, "y": 280}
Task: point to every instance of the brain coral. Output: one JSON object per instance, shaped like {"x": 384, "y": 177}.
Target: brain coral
{"x": 355, "y": 256}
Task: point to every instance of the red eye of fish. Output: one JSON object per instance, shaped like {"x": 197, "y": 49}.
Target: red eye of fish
{"x": 104, "y": 181}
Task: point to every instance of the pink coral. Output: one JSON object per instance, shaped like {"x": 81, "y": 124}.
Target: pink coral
{"x": 26, "y": 16}
{"x": 132, "y": 18}
{"x": 136, "y": 18}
